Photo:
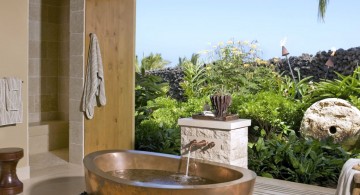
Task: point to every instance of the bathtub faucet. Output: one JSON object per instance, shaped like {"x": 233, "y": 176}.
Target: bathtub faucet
{"x": 199, "y": 144}
{"x": 203, "y": 145}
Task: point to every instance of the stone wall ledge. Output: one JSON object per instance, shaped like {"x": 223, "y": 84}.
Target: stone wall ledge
{"x": 219, "y": 125}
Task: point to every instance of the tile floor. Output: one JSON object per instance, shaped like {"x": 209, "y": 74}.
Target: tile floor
{"x": 51, "y": 174}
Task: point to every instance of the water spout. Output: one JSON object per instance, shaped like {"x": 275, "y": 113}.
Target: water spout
{"x": 187, "y": 163}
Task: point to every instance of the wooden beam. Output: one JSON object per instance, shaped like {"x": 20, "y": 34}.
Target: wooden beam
{"x": 113, "y": 21}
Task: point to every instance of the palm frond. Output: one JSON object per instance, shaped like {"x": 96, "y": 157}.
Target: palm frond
{"x": 322, "y": 9}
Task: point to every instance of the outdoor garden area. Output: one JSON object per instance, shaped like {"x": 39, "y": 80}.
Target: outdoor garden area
{"x": 264, "y": 91}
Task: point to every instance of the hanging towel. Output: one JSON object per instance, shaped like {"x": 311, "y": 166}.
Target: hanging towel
{"x": 345, "y": 182}
{"x": 2, "y": 103}
{"x": 13, "y": 94}
{"x": 94, "y": 82}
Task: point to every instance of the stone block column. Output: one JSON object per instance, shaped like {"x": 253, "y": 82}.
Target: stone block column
{"x": 230, "y": 138}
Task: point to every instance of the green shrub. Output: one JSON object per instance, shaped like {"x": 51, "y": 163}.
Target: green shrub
{"x": 194, "y": 80}
{"x": 269, "y": 111}
{"x": 167, "y": 111}
{"x": 296, "y": 159}
{"x": 147, "y": 88}
{"x": 234, "y": 66}
{"x": 193, "y": 106}
{"x": 344, "y": 88}
{"x": 160, "y": 132}
{"x": 150, "y": 136}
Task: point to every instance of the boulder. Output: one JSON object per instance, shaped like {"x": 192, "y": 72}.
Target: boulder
{"x": 335, "y": 118}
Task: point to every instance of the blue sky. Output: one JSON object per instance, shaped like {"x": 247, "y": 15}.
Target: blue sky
{"x": 178, "y": 28}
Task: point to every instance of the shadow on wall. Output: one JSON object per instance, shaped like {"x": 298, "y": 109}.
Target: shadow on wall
{"x": 59, "y": 186}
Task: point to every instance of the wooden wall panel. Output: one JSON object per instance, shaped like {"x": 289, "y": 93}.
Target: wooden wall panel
{"x": 113, "y": 21}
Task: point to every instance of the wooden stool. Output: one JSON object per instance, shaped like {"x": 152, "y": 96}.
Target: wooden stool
{"x": 9, "y": 182}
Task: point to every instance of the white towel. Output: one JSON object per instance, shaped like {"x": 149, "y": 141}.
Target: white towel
{"x": 346, "y": 179}
{"x": 94, "y": 83}
{"x": 2, "y": 103}
{"x": 10, "y": 101}
{"x": 13, "y": 94}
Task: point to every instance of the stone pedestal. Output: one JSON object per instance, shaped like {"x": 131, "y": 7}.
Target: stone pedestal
{"x": 230, "y": 138}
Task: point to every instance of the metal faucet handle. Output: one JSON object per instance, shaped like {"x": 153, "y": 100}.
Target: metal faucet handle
{"x": 211, "y": 145}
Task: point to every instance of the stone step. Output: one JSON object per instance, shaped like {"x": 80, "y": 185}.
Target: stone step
{"x": 48, "y": 135}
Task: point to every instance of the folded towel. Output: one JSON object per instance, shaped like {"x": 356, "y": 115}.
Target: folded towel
{"x": 13, "y": 94}
{"x": 13, "y": 83}
{"x": 345, "y": 182}
{"x": 94, "y": 82}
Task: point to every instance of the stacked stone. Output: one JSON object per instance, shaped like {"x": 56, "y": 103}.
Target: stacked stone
{"x": 173, "y": 76}
{"x": 230, "y": 140}
{"x": 345, "y": 62}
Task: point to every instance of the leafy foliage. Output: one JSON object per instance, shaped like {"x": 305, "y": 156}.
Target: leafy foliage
{"x": 153, "y": 61}
{"x": 343, "y": 88}
{"x": 167, "y": 111}
{"x": 160, "y": 133}
{"x": 231, "y": 66}
{"x": 147, "y": 88}
{"x": 271, "y": 112}
{"x": 297, "y": 90}
{"x": 258, "y": 93}
{"x": 355, "y": 101}
{"x": 194, "y": 79}
{"x": 193, "y": 60}
{"x": 150, "y": 136}
{"x": 297, "y": 159}
{"x": 322, "y": 9}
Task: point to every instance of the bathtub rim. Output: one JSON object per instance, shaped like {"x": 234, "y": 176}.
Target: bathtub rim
{"x": 248, "y": 175}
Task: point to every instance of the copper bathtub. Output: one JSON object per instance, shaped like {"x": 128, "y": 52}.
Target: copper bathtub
{"x": 228, "y": 179}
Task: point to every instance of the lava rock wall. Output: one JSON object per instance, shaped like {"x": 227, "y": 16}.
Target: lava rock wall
{"x": 173, "y": 76}
{"x": 345, "y": 62}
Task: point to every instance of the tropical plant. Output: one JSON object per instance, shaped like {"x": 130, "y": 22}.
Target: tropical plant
{"x": 355, "y": 101}
{"x": 193, "y": 60}
{"x": 343, "y": 87}
{"x": 182, "y": 61}
{"x": 153, "y": 61}
{"x": 160, "y": 132}
{"x": 194, "y": 80}
{"x": 167, "y": 111}
{"x": 295, "y": 90}
{"x": 263, "y": 78}
{"x": 147, "y": 88}
{"x": 322, "y": 9}
{"x": 297, "y": 159}
{"x": 268, "y": 111}
{"x": 230, "y": 65}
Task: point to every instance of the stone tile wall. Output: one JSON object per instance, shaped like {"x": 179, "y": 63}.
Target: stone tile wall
{"x": 76, "y": 81}
{"x": 48, "y": 59}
